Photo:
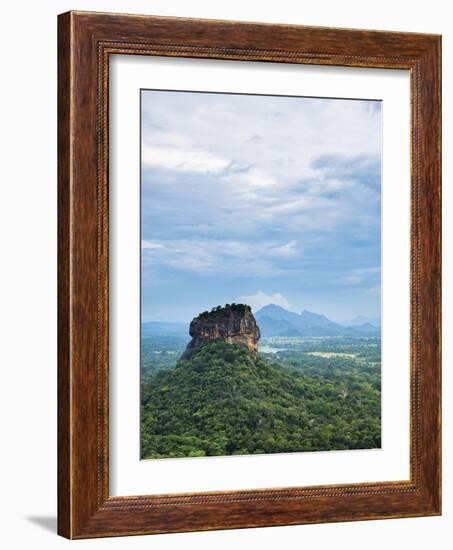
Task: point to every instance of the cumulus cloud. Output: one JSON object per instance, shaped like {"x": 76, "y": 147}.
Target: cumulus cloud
{"x": 260, "y": 299}
{"x": 240, "y": 188}
{"x": 314, "y": 166}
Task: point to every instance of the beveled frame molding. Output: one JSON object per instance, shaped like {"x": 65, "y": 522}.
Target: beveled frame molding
{"x": 85, "y": 42}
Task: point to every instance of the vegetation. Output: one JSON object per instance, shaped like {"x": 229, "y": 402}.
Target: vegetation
{"x": 224, "y": 401}
{"x": 160, "y": 352}
{"x": 241, "y": 308}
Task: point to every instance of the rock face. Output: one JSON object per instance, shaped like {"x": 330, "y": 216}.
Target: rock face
{"x": 232, "y": 324}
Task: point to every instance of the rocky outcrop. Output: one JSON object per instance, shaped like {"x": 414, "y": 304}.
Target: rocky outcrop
{"x": 232, "y": 324}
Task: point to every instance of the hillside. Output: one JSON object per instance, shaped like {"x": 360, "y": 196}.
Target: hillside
{"x": 223, "y": 400}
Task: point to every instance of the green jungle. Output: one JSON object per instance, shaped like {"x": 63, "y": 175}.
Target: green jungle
{"x": 298, "y": 394}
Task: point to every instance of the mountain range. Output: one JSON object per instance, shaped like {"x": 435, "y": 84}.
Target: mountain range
{"x": 361, "y": 320}
{"x": 274, "y": 320}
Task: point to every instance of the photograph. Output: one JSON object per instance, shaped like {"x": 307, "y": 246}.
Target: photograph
{"x": 260, "y": 274}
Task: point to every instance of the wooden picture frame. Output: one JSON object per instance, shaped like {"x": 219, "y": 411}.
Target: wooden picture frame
{"x": 85, "y": 41}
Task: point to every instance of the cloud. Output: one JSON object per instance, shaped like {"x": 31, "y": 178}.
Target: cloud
{"x": 352, "y": 279}
{"x": 314, "y": 166}
{"x": 261, "y": 299}
{"x": 286, "y": 250}
{"x": 374, "y": 290}
{"x": 360, "y": 168}
{"x": 149, "y": 245}
{"x": 363, "y": 275}
{"x": 221, "y": 256}
{"x": 190, "y": 160}
{"x": 241, "y": 192}
{"x": 244, "y": 130}
{"x": 253, "y": 139}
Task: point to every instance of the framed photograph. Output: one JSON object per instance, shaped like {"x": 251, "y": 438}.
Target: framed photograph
{"x": 249, "y": 275}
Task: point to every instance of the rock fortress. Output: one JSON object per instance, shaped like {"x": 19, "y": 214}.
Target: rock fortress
{"x": 231, "y": 324}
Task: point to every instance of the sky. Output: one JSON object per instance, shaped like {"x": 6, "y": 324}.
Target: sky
{"x": 260, "y": 199}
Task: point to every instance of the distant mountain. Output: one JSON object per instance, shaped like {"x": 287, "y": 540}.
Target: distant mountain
{"x": 366, "y": 329}
{"x": 275, "y": 327}
{"x": 274, "y": 320}
{"x": 159, "y": 328}
{"x": 362, "y": 320}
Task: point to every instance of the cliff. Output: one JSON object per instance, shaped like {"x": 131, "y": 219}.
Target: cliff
{"x": 232, "y": 324}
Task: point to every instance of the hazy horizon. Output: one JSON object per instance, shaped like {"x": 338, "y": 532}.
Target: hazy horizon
{"x": 368, "y": 318}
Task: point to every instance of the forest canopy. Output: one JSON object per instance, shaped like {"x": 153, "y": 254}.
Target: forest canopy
{"x": 224, "y": 401}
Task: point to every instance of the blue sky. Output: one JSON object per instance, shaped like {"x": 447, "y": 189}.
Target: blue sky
{"x": 260, "y": 199}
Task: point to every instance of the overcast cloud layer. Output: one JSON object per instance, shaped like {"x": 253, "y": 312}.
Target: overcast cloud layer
{"x": 260, "y": 199}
